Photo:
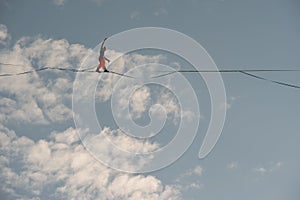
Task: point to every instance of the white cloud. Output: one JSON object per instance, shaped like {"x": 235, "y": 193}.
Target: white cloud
{"x": 58, "y": 167}
{"x": 3, "y": 32}
{"x": 261, "y": 170}
{"x": 233, "y": 165}
{"x": 135, "y": 15}
{"x": 127, "y": 186}
{"x": 190, "y": 179}
{"x": 127, "y": 143}
{"x": 51, "y": 53}
{"x": 139, "y": 101}
{"x": 270, "y": 168}
{"x": 20, "y": 112}
{"x": 228, "y": 105}
{"x": 4, "y": 35}
{"x": 191, "y": 173}
{"x": 122, "y": 65}
{"x": 160, "y": 11}
{"x": 170, "y": 103}
{"x": 59, "y": 2}
{"x": 196, "y": 185}
{"x": 35, "y": 98}
{"x": 61, "y": 168}
{"x": 198, "y": 170}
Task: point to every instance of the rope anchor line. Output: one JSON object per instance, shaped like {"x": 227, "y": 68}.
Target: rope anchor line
{"x": 244, "y": 71}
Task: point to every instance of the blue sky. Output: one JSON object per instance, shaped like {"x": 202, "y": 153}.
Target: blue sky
{"x": 257, "y": 154}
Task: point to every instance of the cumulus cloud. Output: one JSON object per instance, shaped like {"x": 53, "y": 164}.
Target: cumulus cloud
{"x": 36, "y": 98}
{"x": 121, "y": 65}
{"x": 118, "y": 150}
{"x": 189, "y": 180}
{"x": 61, "y": 168}
{"x": 21, "y": 111}
{"x": 58, "y": 167}
{"x": 139, "y": 101}
{"x": 45, "y": 97}
{"x": 3, "y": 32}
{"x": 4, "y": 35}
{"x": 170, "y": 103}
{"x": 143, "y": 97}
{"x": 158, "y": 100}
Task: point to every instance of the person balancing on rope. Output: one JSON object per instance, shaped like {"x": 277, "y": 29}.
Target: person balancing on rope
{"x": 101, "y": 67}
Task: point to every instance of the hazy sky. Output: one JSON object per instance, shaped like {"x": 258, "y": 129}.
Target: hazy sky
{"x": 257, "y": 156}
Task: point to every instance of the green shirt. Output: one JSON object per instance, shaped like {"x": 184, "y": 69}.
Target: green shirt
{"x": 102, "y": 52}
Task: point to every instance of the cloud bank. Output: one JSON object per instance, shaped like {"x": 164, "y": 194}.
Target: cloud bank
{"x": 58, "y": 166}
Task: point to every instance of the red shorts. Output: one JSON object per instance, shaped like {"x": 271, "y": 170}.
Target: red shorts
{"x": 102, "y": 63}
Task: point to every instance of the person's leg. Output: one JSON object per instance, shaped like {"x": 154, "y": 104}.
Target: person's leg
{"x": 102, "y": 64}
{"x": 99, "y": 66}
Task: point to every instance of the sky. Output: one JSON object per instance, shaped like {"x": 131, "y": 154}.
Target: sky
{"x": 41, "y": 153}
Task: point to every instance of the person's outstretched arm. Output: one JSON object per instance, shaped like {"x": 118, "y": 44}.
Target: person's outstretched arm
{"x": 102, "y": 45}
